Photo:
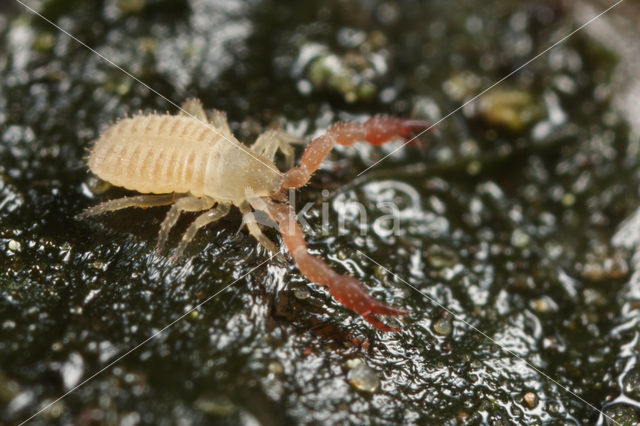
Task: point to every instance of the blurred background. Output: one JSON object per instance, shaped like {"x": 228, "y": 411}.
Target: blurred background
{"x": 517, "y": 215}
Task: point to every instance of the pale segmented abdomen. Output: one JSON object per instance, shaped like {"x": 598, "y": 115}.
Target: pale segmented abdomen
{"x": 157, "y": 154}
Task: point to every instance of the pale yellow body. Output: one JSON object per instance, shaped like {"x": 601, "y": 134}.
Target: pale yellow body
{"x": 192, "y": 162}
{"x": 172, "y": 153}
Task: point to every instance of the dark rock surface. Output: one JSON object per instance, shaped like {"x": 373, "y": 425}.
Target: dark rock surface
{"x": 506, "y": 218}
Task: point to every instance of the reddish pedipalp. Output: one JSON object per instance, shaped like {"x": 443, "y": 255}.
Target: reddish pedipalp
{"x": 377, "y": 130}
{"x": 344, "y": 288}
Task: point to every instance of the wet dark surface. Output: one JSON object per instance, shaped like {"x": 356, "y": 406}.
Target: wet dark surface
{"x": 507, "y": 215}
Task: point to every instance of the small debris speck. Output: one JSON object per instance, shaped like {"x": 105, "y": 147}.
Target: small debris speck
{"x": 441, "y": 257}
{"x": 531, "y": 399}
{"x": 544, "y": 304}
{"x": 275, "y": 367}
{"x": 215, "y": 405}
{"x": 568, "y": 200}
{"x": 14, "y": 246}
{"x": 362, "y": 377}
{"x": 474, "y": 167}
{"x": 442, "y": 326}
{"x": 301, "y": 293}
{"x": 520, "y": 239}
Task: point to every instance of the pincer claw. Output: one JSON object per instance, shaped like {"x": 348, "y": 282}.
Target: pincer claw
{"x": 354, "y": 295}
